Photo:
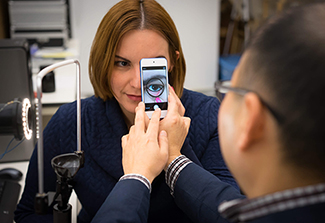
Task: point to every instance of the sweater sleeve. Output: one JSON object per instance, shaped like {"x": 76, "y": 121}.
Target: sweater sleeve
{"x": 198, "y": 193}
{"x": 25, "y": 209}
{"x": 128, "y": 202}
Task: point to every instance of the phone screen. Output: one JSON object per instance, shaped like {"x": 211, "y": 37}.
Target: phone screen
{"x": 155, "y": 92}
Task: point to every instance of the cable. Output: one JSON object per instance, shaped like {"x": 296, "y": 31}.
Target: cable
{"x": 8, "y": 151}
{"x": 2, "y": 155}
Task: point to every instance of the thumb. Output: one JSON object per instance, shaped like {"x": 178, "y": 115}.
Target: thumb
{"x": 187, "y": 122}
{"x": 124, "y": 140}
{"x": 163, "y": 142}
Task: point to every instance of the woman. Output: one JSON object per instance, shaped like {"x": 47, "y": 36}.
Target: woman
{"x": 130, "y": 31}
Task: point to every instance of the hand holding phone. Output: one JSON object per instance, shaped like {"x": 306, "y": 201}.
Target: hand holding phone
{"x": 176, "y": 126}
{"x": 145, "y": 149}
{"x": 154, "y": 85}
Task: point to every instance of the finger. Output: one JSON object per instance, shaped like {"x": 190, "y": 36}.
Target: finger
{"x": 132, "y": 131}
{"x": 124, "y": 140}
{"x": 127, "y": 137}
{"x": 181, "y": 108}
{"x": 163, "y": 142}
{"x": 171, "y": 88}
{"x": 172, "y": 102}
{"x": 139, "y": 117}
{"x": 187, "y": 122}
{"x": 153, "y": 126}
{"x": 146, "y": 122}
{"x": 175, "y": 102}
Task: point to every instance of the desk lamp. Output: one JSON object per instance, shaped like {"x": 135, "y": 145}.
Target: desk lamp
{"x": 65, "y": 165}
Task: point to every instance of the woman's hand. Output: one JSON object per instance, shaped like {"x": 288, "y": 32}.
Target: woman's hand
{"x": 176, "y": 126}
{"x": 145, "y": 150}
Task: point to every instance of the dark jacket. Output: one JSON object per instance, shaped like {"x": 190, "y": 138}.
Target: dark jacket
{"x": 310, "y": 213}
{"x": 198, "y": 194}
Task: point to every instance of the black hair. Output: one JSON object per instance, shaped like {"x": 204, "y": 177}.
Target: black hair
{"x": 286, "y": 66}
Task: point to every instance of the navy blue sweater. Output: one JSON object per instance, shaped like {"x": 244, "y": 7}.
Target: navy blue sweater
{"x": 102, "y": 128}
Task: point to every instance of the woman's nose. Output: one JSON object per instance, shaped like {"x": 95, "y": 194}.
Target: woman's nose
{"x": 135, "y": 80}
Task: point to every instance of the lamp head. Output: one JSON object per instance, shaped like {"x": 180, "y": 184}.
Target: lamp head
{"x": 67, "y": 165}
{"x": 15, "y": 119}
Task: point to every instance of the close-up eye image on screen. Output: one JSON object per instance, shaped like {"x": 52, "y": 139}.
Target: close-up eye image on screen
{"x": 155, "y": 88}
{"x": 155, "y": 85}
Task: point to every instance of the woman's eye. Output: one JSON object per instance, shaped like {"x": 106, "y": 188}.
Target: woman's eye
{"x": 155, "y": 90}
{"x": 155, "y": 87}
{"x": 121, "y": 63}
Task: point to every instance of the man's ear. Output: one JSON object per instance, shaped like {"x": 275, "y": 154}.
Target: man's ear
{"x": 252, "y": 122}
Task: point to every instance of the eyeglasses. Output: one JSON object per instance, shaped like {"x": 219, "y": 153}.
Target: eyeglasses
{"x": 223, "y": 89}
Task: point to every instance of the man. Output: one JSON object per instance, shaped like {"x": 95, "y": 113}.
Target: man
{"x": 271, "y": 133}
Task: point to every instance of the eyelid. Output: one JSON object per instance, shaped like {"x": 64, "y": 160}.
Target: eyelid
{"x": 161, "y": 57}
{"x": 148, "y": 85}
{"x": 116, "y": 62}
{"x": 161, "y": 77}
{"x": 146, "y": 81}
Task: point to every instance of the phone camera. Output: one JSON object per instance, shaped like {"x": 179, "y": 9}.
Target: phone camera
{"x": 154, "y": 61}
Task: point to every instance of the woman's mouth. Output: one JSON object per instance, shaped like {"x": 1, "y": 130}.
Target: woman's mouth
{"x": 134, "y": 97}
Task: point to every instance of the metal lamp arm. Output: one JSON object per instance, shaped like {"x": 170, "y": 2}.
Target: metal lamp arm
{"x": 39, "y": 123}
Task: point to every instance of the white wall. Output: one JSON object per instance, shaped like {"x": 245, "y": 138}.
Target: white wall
{"x": 196, "y": 20}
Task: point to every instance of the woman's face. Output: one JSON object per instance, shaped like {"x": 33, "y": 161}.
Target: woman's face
{"x": 125, "y": 80}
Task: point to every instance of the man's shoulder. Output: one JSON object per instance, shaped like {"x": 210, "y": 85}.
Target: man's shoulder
{"x": 309, "y": 213}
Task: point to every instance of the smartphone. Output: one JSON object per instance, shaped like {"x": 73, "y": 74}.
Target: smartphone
{"x": 154, "y": 85}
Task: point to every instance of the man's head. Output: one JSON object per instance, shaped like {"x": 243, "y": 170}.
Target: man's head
{"x": 280, "y": 124}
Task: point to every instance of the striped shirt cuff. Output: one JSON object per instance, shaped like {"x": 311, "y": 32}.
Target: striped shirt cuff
{"x": 138, "y": 177}
{"x": 174, "y": 169}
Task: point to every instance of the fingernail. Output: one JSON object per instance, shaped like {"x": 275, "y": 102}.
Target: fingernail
{"x": 163, "y": 133}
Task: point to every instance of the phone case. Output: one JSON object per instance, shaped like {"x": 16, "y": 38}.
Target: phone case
{"x": 154, "y": 85}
